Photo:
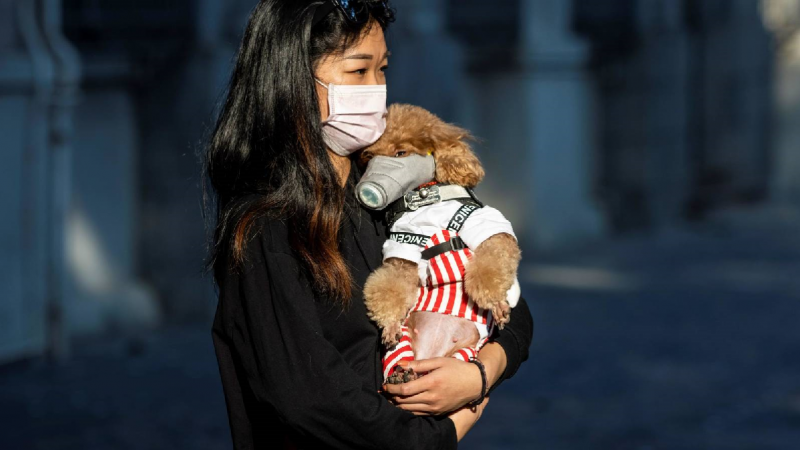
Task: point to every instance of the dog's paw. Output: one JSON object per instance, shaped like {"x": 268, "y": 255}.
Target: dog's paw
{"x": 392, "y": 333}
{"x": 400, "y": 375}
{"x": 484, "y": 283}
{"x": 501, "y": 312}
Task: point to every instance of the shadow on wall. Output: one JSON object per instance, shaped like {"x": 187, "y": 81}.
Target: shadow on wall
{"x": 102, "y": 299}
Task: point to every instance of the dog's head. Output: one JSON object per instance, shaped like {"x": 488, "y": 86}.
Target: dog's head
{"x": 411, "y": 129}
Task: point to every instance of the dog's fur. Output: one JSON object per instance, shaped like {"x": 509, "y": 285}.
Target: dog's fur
{"x": 391, "y": 290}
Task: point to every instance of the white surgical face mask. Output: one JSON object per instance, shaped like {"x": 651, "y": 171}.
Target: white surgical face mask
{"x": 357, "y": 116}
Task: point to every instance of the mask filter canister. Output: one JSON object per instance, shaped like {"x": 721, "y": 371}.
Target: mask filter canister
{"x": 388, "y": 178}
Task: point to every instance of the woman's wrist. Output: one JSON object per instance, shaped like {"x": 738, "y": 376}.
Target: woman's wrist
{"x": 494, "y": 361}
{"x": 464, "y": 419}
{"x": 460, "y": 428}
{"x": 484, "y": 385}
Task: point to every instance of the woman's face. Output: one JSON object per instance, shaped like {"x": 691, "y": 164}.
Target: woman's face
{"x": 363, "y": 63}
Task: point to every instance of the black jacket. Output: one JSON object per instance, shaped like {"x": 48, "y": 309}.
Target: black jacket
{"x": 299, "y": 371}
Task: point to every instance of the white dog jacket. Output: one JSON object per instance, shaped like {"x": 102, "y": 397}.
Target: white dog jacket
{"x": 441, "y": 277}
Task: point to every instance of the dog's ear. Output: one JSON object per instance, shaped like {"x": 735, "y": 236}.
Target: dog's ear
{"x": 455, "y": 161}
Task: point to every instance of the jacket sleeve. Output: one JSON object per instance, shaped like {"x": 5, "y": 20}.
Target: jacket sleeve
{"x": 409, "y": 252}
{"x": 515, "y": 338}
{"x": 408, "y": 245}
{"x": 482, "y": 224}
{"x": 292, "y": 367}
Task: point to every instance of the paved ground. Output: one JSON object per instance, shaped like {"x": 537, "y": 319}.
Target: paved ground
{"x": 685, "y": 340}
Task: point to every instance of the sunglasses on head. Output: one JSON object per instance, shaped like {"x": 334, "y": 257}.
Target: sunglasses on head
{"x": 355, "y": 11}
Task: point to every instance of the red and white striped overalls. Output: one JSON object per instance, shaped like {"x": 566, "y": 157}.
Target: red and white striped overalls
{"x": 443, "y": 293}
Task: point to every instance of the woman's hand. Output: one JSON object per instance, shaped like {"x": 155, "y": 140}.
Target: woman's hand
{"x": 465, "y": 418}
{"x": 449, "y": 384}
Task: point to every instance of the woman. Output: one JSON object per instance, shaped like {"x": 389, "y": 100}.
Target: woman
{"x": 299, "y": 360}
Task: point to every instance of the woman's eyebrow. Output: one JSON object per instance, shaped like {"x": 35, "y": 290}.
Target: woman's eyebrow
{"x": 367, "y": 56}
{"x": 359, "y": 56}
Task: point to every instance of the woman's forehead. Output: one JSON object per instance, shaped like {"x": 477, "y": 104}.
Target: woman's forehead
{"x": 373, "y": 44}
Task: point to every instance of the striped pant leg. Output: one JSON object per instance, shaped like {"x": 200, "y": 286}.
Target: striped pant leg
{"x": 402, "y": 351}
{"x": 466, "y": 353}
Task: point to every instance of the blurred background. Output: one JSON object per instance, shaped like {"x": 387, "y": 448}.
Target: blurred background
{"x": 647, "y": 152}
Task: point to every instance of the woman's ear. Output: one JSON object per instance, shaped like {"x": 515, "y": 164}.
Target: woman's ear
{"x": 455, "y": 161}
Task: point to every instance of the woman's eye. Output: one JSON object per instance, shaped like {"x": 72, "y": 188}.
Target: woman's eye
{"x": 384, "y": 68}
{"x": 360, "y": 71}
{"x": 400, "y": 153}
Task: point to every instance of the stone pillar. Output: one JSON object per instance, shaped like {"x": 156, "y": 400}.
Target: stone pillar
{"x": 665, "y": 70}
{"x": 177, "y": 113}
{"x": 783, "y": 20}
{"x": 419, "y": 43}
{"x": 67, "y": 75}
{"x": 736, "y": 67}
{"x": 558, "y": 136}
{"x": 107, "y": 293}
{"x": 39, "y": 74}
{"x": 26, "y": 85}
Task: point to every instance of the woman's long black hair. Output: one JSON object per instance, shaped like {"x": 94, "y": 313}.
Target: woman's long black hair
{"x": 266, "y": 156}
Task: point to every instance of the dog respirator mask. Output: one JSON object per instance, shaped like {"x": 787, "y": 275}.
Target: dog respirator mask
{"x": 388, "y": 178}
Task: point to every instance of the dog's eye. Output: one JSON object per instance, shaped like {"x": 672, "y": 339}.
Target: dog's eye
{"x": 400, "y": 153}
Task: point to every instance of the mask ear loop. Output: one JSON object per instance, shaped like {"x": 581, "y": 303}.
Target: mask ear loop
{"x": 321, "y": 83}
{"x": 330, "y": 96}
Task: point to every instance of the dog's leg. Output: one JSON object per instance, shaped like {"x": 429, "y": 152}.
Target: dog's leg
{"x": 389, "y": 293}
{"x": 490, "y": 273}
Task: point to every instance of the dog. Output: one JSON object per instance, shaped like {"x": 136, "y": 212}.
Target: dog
{"x": 448, "y": 304}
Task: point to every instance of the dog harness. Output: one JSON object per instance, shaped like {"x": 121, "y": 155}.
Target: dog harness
{"x": 435, "y": 236}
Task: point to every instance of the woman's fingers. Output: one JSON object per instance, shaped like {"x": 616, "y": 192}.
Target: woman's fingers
{"x": 419, "y": 409}
{"x": 422, "y": 397}
{"x": 426, "y": 365}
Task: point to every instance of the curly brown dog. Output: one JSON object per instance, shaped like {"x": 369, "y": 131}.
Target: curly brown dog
{"x": 393, "y": 289}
